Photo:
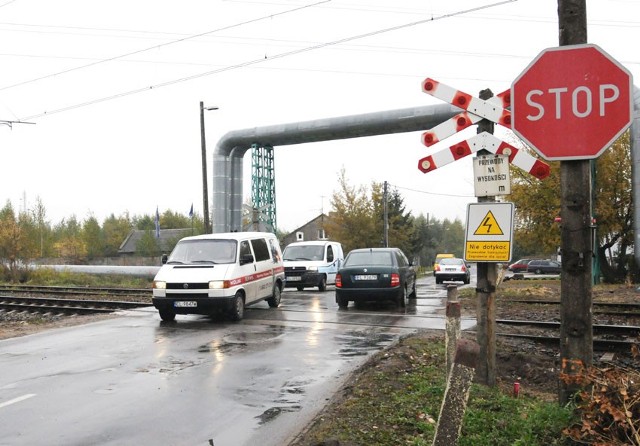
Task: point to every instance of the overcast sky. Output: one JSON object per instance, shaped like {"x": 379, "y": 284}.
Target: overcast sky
{"x": 113, "y": 89}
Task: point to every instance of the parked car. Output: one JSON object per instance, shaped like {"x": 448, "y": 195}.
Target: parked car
{"x": 438, "y": 258}
{"x": 225, "y": 271}
{"x": 544, "y": 267}
{"x": 520, "y": 266}
{"x": 375, "y": 274}
{"x": 453, "y": 269}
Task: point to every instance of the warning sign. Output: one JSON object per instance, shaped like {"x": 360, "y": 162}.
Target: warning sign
{"x": 489, "y": 232}
{"x": 489, "y": 226}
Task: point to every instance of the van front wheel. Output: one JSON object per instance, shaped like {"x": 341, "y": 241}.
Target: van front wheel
{"x": 323, "y": 283}
{"x": 274, "y": 300}
{"x": 167, "y": 315}
{"x": 237, "y": 309}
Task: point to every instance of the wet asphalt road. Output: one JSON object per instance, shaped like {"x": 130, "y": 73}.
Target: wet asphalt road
{"x": 199, "y": 381}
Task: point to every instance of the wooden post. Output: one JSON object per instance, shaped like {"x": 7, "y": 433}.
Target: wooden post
{"x": 486, "y": 293}
{"x": 452, "y": 326}
{"x": 576, "y": 329}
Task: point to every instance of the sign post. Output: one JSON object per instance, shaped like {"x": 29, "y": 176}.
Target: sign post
{"x": 573, "y": 113}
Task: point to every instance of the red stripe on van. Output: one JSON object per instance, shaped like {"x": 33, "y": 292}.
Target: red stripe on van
{"x": 254, "y": 277}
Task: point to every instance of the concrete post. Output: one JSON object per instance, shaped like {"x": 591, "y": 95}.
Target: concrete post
{"x": 456, "y": 394}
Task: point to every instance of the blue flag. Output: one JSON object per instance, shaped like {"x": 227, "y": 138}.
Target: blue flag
{"x": 157, "y": 223}
{"x": 191, "y": 211}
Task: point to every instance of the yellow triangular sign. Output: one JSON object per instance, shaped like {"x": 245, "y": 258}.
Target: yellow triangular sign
{"x": 489, "y": 226}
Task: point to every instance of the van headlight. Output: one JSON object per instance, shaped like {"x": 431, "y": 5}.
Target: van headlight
{"x": 312, "y": 268}
{"x": 159, "y": 285}
{"x": 216, "y": 284}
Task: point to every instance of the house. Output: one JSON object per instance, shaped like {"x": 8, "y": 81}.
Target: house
{"x": 167, "y": 240}
{"x": 310, "y": 231}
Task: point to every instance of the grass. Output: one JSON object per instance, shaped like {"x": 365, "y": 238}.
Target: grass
{"x": 49, "y": 277}
{"x": 396, "y": 398}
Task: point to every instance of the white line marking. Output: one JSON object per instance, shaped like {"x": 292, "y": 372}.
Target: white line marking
{"x": 17, "y": 400}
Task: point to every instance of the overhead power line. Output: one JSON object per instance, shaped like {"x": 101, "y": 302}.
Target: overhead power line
{"x": 154, "y": 47}
{"x": 263, "y": 60}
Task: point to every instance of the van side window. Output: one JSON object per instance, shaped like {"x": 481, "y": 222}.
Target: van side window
{"x": 329, "y": 254}
{"x": 244, "y": 248}
{"x": 260, "y": 249}
{"x": 275, "y": 252}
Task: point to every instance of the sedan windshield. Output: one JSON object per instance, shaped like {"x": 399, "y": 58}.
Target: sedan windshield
{"x": 204, "y": 251}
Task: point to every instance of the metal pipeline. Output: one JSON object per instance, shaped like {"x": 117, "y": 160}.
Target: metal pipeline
{"x": 230, "y": 150}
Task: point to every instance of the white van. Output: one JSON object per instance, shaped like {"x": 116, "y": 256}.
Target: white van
{"x": 312, "y": 264}
{"x": 226, "y": 271}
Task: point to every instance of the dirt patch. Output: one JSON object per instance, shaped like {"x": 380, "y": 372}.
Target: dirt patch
{"x": 16, "y": 324}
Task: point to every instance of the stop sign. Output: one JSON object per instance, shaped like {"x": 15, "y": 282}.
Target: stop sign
{"x": 572, "y": 102}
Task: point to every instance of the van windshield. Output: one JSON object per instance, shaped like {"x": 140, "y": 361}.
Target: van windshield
{"x": 204, "y": 251}
{"x": 304, "y": 252}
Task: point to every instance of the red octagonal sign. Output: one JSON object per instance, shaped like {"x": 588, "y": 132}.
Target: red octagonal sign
{"x": 572, "y": 102}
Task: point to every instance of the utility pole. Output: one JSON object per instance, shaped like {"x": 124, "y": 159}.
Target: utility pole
{"x": 385, "y": 215}
{"x": 576, "y": 328}
{"x": 205, "y": 188}
{"x": 486, "y": 292}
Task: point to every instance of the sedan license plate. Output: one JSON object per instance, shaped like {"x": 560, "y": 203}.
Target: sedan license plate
{"x": 294, "y": 279}
{"x": 185, "y": 303}
{"x": 365, "y": 277}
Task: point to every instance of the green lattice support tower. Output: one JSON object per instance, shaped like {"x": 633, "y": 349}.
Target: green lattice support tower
{"x": 263, "y": 188}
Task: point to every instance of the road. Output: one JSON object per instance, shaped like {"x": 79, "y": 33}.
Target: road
{"x": 134, "y": 379}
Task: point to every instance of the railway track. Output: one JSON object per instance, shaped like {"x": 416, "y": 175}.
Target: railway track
{"x": 105, "y": 292}
{"x": 64, "y": 306}
{"x": 604, "y": 308}
{"x": 606, "y": 337}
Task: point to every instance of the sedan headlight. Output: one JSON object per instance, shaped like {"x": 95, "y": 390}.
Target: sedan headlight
{"x": 159, "y": 284}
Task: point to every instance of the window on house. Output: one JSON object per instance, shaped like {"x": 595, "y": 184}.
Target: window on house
{"x": 321, "y": 234}
{"x": 299, "y": 236}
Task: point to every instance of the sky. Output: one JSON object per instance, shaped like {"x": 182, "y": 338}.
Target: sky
{"x": 105, "y": 96}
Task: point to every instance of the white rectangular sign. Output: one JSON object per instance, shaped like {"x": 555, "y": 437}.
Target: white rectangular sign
{"x": 491, "y": 175}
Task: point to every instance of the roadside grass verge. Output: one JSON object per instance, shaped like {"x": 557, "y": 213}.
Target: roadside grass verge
{"x": 396, "y": 397}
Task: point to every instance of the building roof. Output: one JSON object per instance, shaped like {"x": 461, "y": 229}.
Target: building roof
{"x": 166, "y": 241}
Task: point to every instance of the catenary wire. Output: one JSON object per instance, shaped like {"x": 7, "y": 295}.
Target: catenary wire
{"x": 183, "y": 39}
{"x": 262, "y": 60}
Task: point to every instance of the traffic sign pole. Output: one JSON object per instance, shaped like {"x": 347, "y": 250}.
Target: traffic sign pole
{"x": 487, "y": 282}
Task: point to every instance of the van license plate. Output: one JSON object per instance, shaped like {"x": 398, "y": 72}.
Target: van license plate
{"x": 365, "y": 277}
{"x": 185, "y": 303}
{"x": 294, "y": 279}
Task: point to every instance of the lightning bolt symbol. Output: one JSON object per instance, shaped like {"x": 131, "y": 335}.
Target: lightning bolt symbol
{"x": 486, "y": 224}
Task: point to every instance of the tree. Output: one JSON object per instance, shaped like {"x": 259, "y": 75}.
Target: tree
{"x": 351, "y": 221}
{"x": 115, "y": 230}
{"x": 537, "y": 205}
{"x": 93, "y": 238}
{"x": 148, "y": 245}
{"x": 614, "y": 210}
{"x": 69, "y": 242}
{"x": 10, "y": 239}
